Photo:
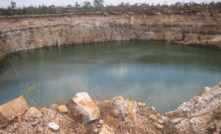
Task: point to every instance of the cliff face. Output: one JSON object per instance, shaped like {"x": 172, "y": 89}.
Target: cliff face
{"x": 30, "y": 32}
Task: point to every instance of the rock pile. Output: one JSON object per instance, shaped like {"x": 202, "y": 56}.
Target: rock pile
{"x": 81, "y": 114}
{"x": 200, "y": 115}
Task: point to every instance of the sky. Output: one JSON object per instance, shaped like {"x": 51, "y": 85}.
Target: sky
{"x": 21, "y": 3}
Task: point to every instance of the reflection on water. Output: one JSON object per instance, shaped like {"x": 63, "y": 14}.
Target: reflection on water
{"x": 158, "y": 74}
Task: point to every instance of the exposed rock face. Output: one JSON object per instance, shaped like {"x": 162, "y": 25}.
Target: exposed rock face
{"x": 83, "y": 108}
{"x": 195, "y": 116}
{"x": 24, "y": 33}
{"x": 12, "y": 109}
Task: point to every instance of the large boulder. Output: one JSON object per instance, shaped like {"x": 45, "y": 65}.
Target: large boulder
{"x": 124, "y": 109}
{"x": 82, "y": 108}
{"x": 12, "y": 109}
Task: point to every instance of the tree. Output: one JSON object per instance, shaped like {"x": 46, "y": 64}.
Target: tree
{"x": 98, "y": 3}
{"x": 77, "y": 5}
{"x": 178, "y": 4}
{"x": 212, "y": 3}
{"x": 52, "y": 9}
{"x": 69, "y": 6}
{"x": 165, "y": 4}
{"x": 13, "y": 5}
{"x": 87, "y": 4}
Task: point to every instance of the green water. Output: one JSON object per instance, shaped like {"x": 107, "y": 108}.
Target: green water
{"x": 159, "y": 74}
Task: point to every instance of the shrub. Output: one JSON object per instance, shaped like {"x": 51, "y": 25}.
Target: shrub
{"x": 199, "y": 37}
{"x": 184, "y": 35}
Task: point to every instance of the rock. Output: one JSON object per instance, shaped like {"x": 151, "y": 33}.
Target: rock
{"x": 111, "y": 121}
{"x": 158, "y": 126}
{"x": 217, "y": 113}
{"x": 101, "y": 122}
{"x": 106, "y": 130}
{"x": 95, "y": 130}
{"x": 196, "y": 115}
{"x": 62, "y": 109}
{"x": 99, "y": 126}
{"x": 83, "y": 108}
{"x": 79, "y": 128}
{"x": 15, "y": 126}
{"x": 33, "y": 113}
{"x": 217, "y": 124}
{"x": 212, "y": 126}
{"x": 53, "y": 126}
{"x": 177, "y": 120}
{"x": 141, "y": 104}
{"x": 218, "y": 131}
{"x": 160, "y": 121}
{"x": 35, "y": 123}
{"x": 45, "y": 110}
{"x": 124, "y": 109}
{"x": 132, "y": 106}
{"x": 153, "y": 117}
{"x": 54, "y": 107}
{"x": 206, "y": 89}
{"x": 39, "y": 130}
{"x": 12, "y": 109}
{"x": 119, "y": 109}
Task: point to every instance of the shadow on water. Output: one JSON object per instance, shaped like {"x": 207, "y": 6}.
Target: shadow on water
{"x": 156, "y": 73}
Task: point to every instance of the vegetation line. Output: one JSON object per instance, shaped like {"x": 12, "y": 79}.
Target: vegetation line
{"x": 99, "y": 5}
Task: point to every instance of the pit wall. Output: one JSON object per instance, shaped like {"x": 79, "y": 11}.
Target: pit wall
{"x": 31, "y": 32}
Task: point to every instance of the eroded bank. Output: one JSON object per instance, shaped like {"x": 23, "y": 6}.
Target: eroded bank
{"x": 20, "y": 33}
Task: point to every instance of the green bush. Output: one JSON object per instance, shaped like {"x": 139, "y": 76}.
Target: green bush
{"x": 184, "y": 35}
{"x": 199, "y": 37}
{"x": 209, "y": 38}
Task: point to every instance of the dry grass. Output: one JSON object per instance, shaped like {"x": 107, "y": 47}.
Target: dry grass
{"x": 32, "y": 92}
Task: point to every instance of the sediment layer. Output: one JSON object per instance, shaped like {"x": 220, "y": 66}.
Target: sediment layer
{"x": 20, "y": 33}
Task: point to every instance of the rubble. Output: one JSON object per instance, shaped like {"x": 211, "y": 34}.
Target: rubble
{"x": 202, "y": 114}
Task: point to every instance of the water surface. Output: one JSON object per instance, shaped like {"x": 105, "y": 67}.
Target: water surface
{"x": 161, "y": 75}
